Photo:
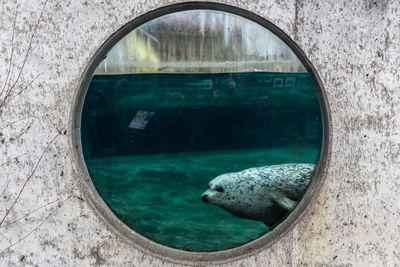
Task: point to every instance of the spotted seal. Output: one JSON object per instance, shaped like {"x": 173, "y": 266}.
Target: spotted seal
{"x": 263, "y": 193}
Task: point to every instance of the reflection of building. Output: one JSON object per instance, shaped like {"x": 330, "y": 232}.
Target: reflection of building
{"x": 201, "y": 84}
{"x": 272, "y": 80}
{"x": 200, "y": 41}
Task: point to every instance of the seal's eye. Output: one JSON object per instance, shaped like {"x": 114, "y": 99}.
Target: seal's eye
{"x": 219, "y": 189}
{"x": 208, "y": 187}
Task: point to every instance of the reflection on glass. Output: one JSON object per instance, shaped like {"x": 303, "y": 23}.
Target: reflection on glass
{"x": 201, "y": 130}
{"x": 200, "y": 41}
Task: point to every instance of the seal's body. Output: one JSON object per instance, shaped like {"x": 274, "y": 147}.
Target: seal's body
{"x": 262, "y": 194}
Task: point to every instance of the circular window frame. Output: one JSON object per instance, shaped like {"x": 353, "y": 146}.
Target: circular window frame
{"x": 142, "y": 243}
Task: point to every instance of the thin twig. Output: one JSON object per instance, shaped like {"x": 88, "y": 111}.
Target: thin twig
{"x": 2, "y": 103}
{"x": 30, "y": 176}
{"x": 23, "y": 132}
{"x": 8, "y": 161}
{"x": 23, "y": 89}
{"x": 34, "y": 229}
{"x": 8, "y": 93}
{"x": 12, "y": 53}
{"x": 11, "y": 123}
{"x": 29, "y": 213}
{"x": 5, "y": 188}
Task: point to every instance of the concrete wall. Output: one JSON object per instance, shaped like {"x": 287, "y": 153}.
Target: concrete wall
{"x": 354, "y": 219}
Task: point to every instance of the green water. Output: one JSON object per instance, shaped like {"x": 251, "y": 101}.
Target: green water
{"x": 159, "y": 195}
{"x": 152, "y": 143}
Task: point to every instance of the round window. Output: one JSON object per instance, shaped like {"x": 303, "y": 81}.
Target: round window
{"x": 201, "y": 128}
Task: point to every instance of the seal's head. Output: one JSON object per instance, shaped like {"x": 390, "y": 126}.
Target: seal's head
{"x": 233, "y": 193}
{"x": 219, "y": 190}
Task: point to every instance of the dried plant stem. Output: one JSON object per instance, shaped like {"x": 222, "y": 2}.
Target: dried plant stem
{"x": 23, "y": 89}
{"x": 11, "y": 123}
{"x": 29, "y": 177}
{"x": 5, "y": 188}
{"x": 11, "y": 57}
{"x": 12, "y": 87}
{"x": 8, "y": 161}
{"x": 33, "y": 230}
{"x": 29, "y": 213}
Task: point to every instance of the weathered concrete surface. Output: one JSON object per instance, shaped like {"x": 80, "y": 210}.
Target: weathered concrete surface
{"x": 354, "y": 220}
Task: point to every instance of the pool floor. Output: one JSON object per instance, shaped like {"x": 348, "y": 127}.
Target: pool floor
{"x": 158, "y": 195}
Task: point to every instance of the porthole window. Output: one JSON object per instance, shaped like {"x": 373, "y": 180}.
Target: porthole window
{"x": 201, "y": 127}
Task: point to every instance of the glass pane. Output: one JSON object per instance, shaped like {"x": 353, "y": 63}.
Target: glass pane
{"x": 201, "y": 129}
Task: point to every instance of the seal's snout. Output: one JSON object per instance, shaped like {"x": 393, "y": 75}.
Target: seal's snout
{"x": 204, "y": 198}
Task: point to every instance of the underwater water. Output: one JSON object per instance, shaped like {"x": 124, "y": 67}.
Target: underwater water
{"x": 152, "y": 142}
{"x": 159, "y": 195}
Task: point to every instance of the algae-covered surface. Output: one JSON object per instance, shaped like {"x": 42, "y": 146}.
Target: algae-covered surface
{"x": 159, "y": 195}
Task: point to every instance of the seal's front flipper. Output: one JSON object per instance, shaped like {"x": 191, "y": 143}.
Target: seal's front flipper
{"x": 285, "y": 203}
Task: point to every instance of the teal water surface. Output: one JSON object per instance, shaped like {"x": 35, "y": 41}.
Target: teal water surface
{"x": 158, "y": 195}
